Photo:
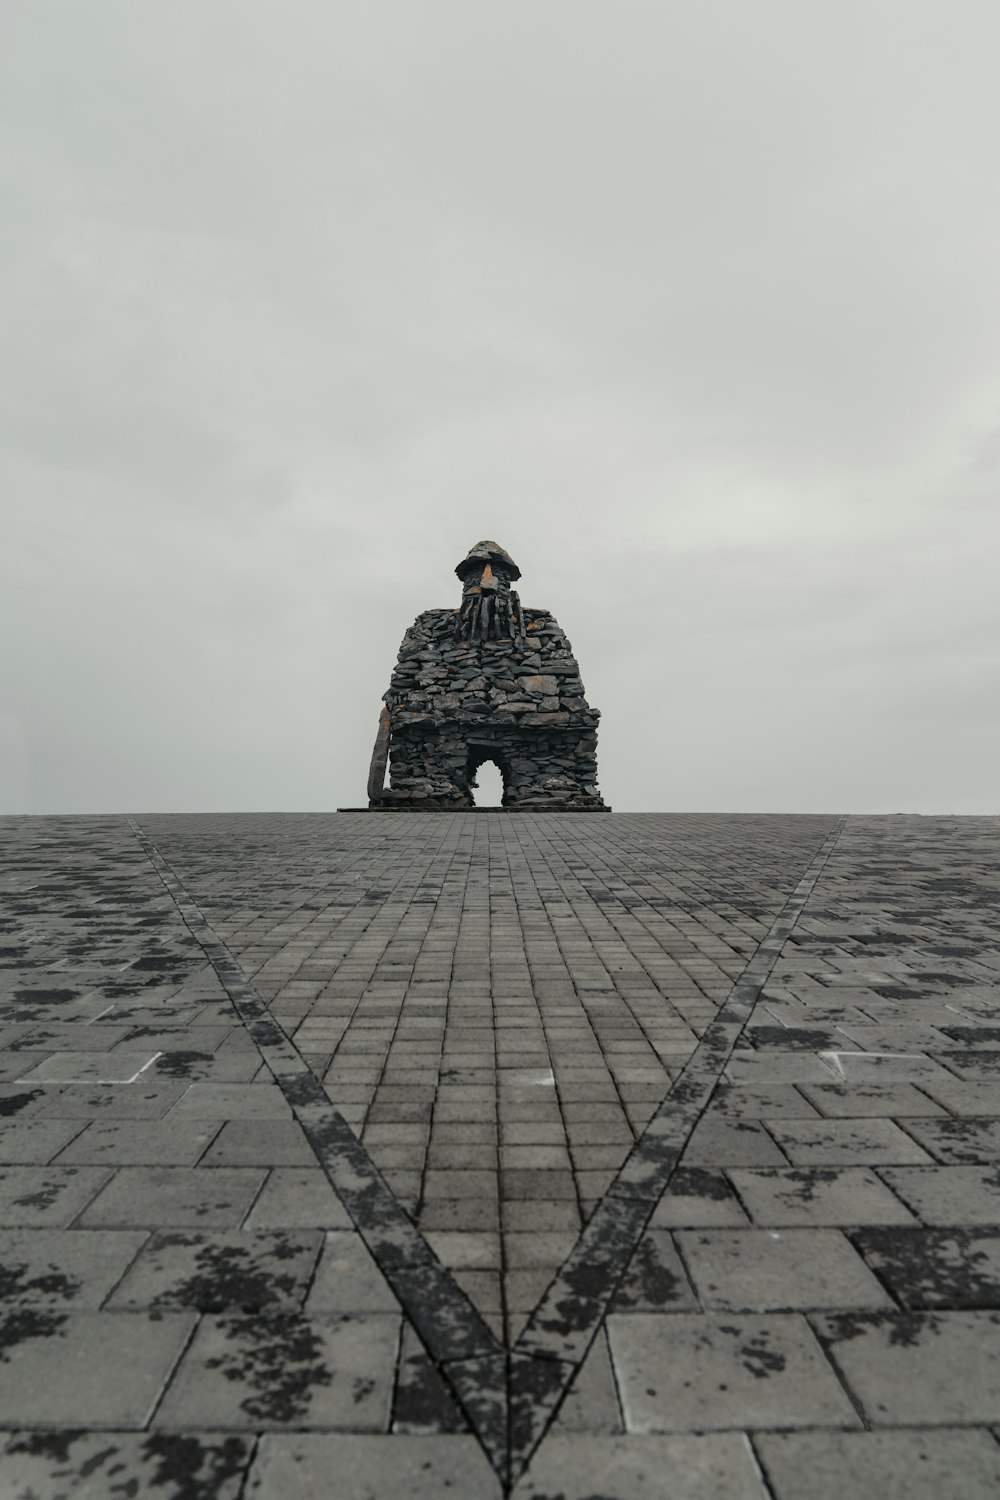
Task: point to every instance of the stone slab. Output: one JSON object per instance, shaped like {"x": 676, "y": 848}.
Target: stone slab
{"x": 263, "y": 1372}
{"x": 216, "y": 1272}
{"x": 908, "y": 1464}
{"x": 687, "y": 1467}
{"x": 799, "y": 1196}
{"x": 911, "y": 1368}
{"x": 58, "y": 1465}
{"x": 86, "y": 1369}
{"x": 298, "y": 1466}
{"x": 52, "y": 1267}
{"x": 777, "y": 1270}
{"x": 172, "y": 1197}
{"x": 690, "y": 1371}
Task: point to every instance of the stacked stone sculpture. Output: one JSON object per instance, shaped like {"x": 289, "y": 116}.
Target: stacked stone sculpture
{"x": 490, "y": 681}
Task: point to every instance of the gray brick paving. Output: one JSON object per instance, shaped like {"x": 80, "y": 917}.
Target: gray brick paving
{"x": 497, "y": 1006}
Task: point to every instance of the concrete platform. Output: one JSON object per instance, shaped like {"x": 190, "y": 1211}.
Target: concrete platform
{"x": 612, "y": 1156}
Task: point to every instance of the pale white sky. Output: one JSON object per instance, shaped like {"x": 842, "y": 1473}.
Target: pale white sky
{"x": 695, "y": 309}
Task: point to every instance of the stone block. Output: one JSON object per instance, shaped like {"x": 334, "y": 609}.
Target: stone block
{"x": 918, "y": 1367}
{"x": 939, "y": 1464}
{"x": 679, "y": 1372}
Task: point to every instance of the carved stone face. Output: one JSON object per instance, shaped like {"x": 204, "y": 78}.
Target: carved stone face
{"x": 493, "y": 579}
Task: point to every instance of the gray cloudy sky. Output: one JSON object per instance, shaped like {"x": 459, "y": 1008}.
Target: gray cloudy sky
{"x": 694, "y": 308}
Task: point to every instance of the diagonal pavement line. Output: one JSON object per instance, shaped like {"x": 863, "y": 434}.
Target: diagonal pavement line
{"x": 452, "y": 1330}
{"x": 510, "y": 1399}
{"x": 572, "y": 1309}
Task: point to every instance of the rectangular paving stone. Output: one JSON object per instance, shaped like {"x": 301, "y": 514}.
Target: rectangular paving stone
{"x": 948, "y": 1195}
{"x": 472, "y": 1157}
{"x": 173, "y": 1038}
{"x": 35, "y": 1142}
{"x": 231, "y": 1101}
{"x": 216, "y": 1272}
{"x": 980, "y": 1066}
{"x": 812, "y": 1196}
{"x": 754, "y": 1069}
{"x": 298, "y": 1466}
{"x": 47, "y": 1196}
{"x": 937, "y": 1464}
{"x": 961, "y": 1141}
{"x": 936, "y": 1267}
{"x": 20, "y": 1102}
{"x": 127, "y": 1143}
{"x": 63, "y": 1465}
{"x": 688, "y": 1371}
{"x": 15, "y": 1065}
{"x": 770, "y": 1270}
{"x": 873, "y": 1068}
{"x": 219, "y": 1067}
{"x": 59, "y": 1037}
{"x": 270, "y": 1371}
{"x": 700, "y": 1467}
{"x": 63, "y": 1267}
{"x": 142, "y": 1100}
{"x": 771, "y": 1101}
{"x": 264, "y": 1143}
{"x": 461, "y": 1215}
{"x": 548, "y": 1185}
{"x": 901, "y": 1036}
{"x": 86, "y": 1369}
{"x": 526, "y": 1215}
{"x": 458, "y": 1182}
{"x": 965, "y": 1096}
{"x": 835, "y": 1142}
{"x": 88, "y": 1067}
{"x": 870, "y": 1100}
{"x": 918, "y": 1367}
{"x": 171, "y": 1197}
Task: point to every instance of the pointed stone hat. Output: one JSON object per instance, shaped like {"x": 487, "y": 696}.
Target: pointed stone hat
{"x": 487, "y": 552}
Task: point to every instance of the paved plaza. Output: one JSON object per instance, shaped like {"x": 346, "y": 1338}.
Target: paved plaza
{"x": 568, "y": 1156}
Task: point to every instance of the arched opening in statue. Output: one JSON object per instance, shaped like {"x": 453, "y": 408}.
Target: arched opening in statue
{"x": 487, "y": 772}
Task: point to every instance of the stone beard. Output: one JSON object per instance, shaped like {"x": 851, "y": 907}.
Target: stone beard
{"x": 490, "y": 681}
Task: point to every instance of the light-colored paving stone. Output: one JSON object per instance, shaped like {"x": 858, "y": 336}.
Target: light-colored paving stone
{"x": 777, "y": 1270}
{"x": 684, "y": 1372}
{"x": 86, "y": 1369}
{"x": 907, "y": 1464}
{"x": 264, "y": 1371}
{"x": 53, "y": 1267}
{"x": 789, "y": 1196}
{"x": 908, "y": 1368}
{"x": 689, "y": 1467}
{"x": 299, "y": 1466}
{"x": 47, "y": 1465}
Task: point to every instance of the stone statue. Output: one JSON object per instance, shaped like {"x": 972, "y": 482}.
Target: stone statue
{"x": 490, "y": 681}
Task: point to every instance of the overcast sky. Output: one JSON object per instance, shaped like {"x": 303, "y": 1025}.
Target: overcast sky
{"x": 694, "y": 308}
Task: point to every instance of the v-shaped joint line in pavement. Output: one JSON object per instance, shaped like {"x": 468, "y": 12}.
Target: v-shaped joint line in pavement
{"x": 508, "y": 1396}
